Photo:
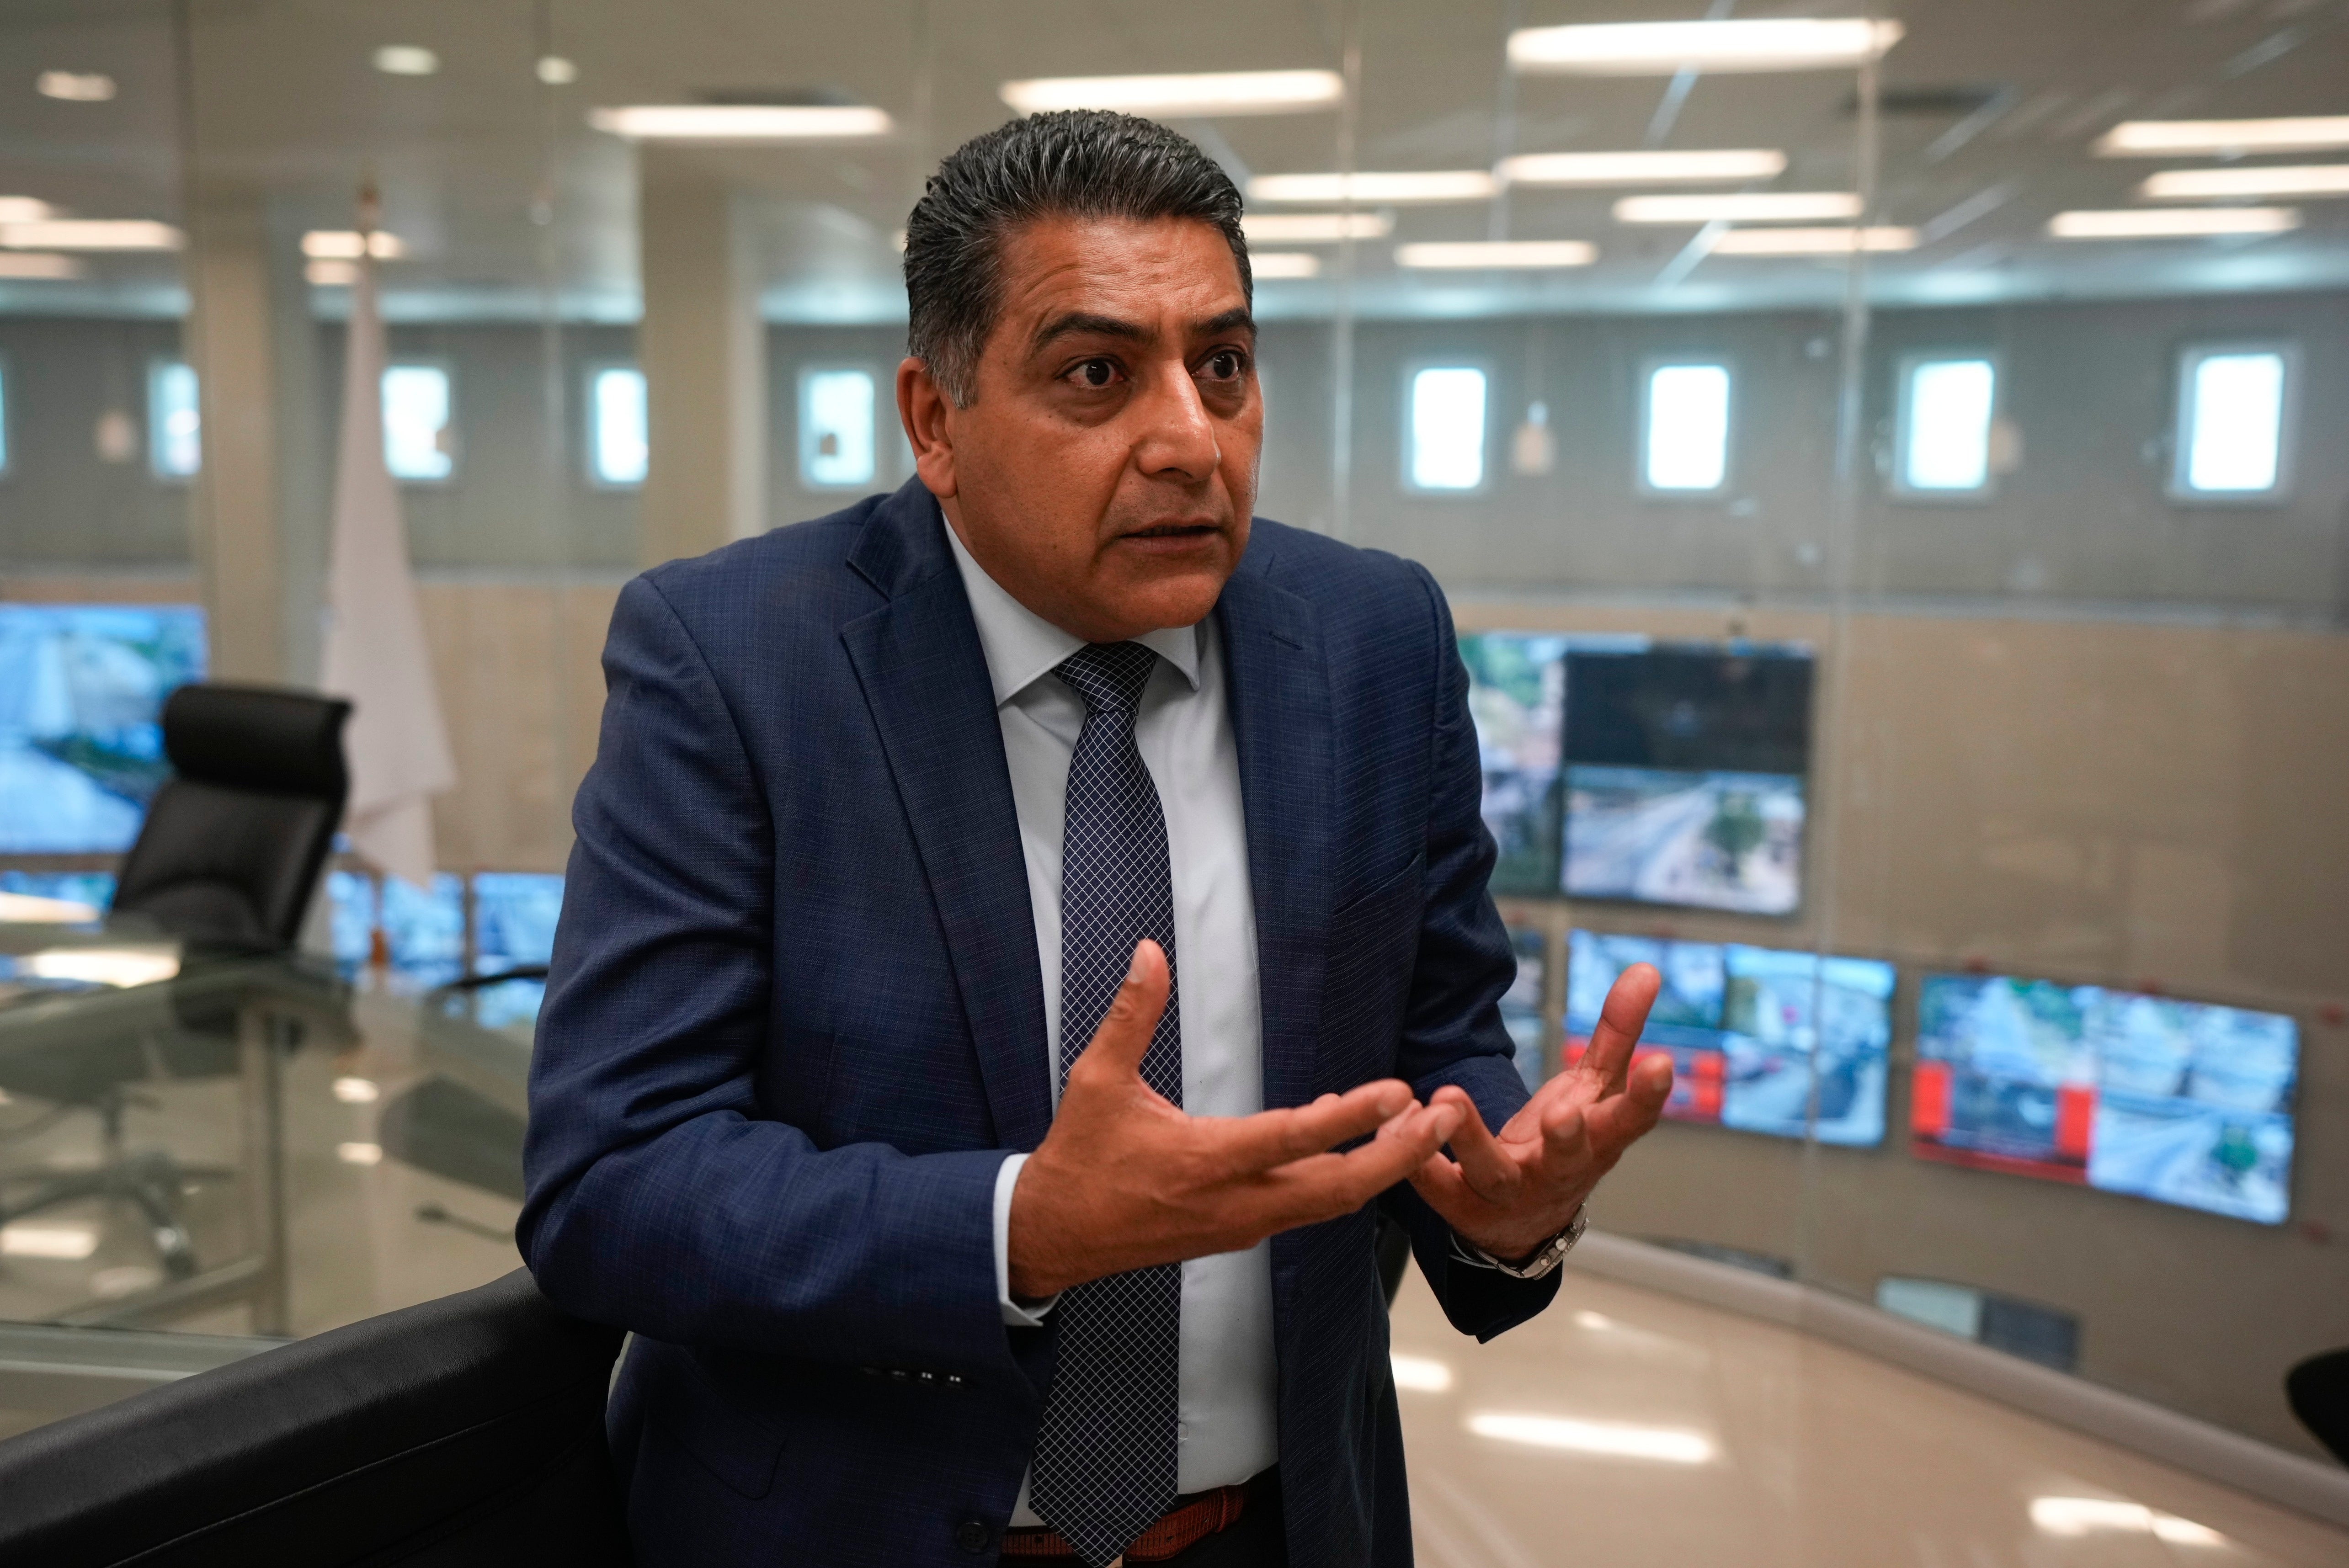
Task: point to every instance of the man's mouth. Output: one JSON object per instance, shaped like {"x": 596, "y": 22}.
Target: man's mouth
{"x": 1172, "y": 531}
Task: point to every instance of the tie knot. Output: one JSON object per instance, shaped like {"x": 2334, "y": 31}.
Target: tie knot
{"x": 1109, "y": 675}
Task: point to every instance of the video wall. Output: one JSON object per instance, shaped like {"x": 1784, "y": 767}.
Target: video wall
{"x": 1626, "y": 768}
{"x": 1760, "y": 1040}
{"x": 82, "y": 687}
{"x": 2182, "y": 1102}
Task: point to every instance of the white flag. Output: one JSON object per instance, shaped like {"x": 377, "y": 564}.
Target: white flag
{"x": 396, "y": 744}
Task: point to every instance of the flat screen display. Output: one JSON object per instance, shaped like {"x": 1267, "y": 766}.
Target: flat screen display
{"x": 2181, "y": 1102}
{"x": 1761, "y": 1040}
{"x": 1516, "y": 695}
{"x": 1521, "y": 1005}
{"x": 1685, "y": 770}
{"x": 82, "y": 687}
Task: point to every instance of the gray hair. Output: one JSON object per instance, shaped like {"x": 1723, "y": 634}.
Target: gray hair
{"x": 1073, "y": 163}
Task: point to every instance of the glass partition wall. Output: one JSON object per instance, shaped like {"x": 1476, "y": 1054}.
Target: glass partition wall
{"x": 1883, "y": 467}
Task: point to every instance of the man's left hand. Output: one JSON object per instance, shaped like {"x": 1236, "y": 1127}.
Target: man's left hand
{"x": 1509, "y": 1194}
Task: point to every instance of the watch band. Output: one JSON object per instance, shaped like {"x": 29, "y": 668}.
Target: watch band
{"x": 1552, "y": 1253}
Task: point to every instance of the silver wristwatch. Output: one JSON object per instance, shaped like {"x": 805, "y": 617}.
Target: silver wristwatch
{"x": 1553, "y": 1252}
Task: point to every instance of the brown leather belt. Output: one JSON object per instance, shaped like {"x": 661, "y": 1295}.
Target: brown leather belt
{"x": 1191, "y": 1520}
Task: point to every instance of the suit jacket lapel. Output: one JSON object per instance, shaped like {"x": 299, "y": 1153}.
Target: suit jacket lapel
{"x": 925, "y": 679}
{"x": 1280, "y": 727}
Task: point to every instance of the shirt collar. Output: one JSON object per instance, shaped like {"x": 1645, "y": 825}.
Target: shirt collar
{"x": 1022, "y": 647}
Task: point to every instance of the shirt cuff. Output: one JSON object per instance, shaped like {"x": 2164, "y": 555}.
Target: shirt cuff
{"x": 1016, "y": 1315}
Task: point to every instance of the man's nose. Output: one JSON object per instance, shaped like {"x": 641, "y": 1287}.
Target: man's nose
{"x": 1177, "y": 436}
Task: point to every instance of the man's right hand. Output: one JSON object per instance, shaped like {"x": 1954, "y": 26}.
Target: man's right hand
{"x": 1124, "y": 1179}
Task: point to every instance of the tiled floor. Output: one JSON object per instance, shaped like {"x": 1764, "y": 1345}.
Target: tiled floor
{"x": 1627, "y": 1429}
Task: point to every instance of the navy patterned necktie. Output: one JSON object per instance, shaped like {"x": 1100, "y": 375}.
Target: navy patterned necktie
{"x": 1104, "y": 1468}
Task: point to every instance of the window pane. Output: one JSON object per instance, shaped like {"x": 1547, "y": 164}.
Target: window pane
{"x": 1688, "y": 427}
{"x": 416, "y": 444}
{"x": 1447, "y": 429}
{"x": 836, "y": 428}
{"x": 617, "y": 429}
{"x": 1949, "y": 425}
{"x": 174, "y": 424}
{"x": 2235, "y": 408}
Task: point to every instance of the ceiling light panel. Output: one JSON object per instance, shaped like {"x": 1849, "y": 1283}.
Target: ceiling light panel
{"x": 2215, "y": 138}
{"x": 2172, "y": 222}
{"x": 36, "y": 266}
{"x": 1755, "y": 207}
{"x": 1315, "y": 228}
{"x": 90, "y": 235}
{"x": 1513, "y": 254}
{"x": 1398, "y": 189}
{"x": 344, "y": 244}
{"x": 1838, "y": 242}
{"x": 1641, "y": 167}
{"x": 1265, "y": 264}
{"x": 75, "y": 87}
{"x": 742, "y": 122}
{"x": 25, "y": 210}
{"x": 1204, "y": 93}
{"x": 1663, "y": 49}
{"x": 406, "y": 60}
{"x": 2275, "y": 180}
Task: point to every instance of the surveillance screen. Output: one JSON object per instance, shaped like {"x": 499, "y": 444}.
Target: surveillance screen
{"x": 2181, "y": 1102}
{"x": 1521, "y": 1005}
{"x": 81, "y": 686}
{"x": 1516, "y": 695}
{"x": 1685, "y": 768}
{"x": 1761, "y": 1040}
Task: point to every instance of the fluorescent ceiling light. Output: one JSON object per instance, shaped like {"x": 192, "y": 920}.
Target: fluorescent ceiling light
{"x": 1437, "y": 185}
{"x": 357, "y": 1153}
{"x": 2275, "y": 180}
{"x": 1284, "y": 264}
{"x": 38, "y": 266}
{"x": 90, "y": 235}
{"x": 1640, "y": 168}
{"x": 556, "y": 71}
{"x": 1662, "y": 48}
{"x": 1202, "y": 93}
{"x": 1840, "y": 242}
{"x": 24, "y": 908}
{"x": 406, "y": 60}
{"x": 75, "y": 87}
{"x": 1423, "y": 1374}
{"x": 343, "y": 244}
{"x": 742, "y": 122}
{"x": 2078, "y": 1516}
{"x": 23, "y": 1240}
{"x": 1469, "y": 255}
{"x": 125, "y": 965}
{"x": 1754, "y": 207}
{"x": 357, "y": 1091}
{"x": 2168, "y": 138}
{"x": 1667, "y": 1444}
{"x": 330, "y": 275}
{"x": 1314, "y": 228}
{"x": 25, "y": 210}
{"x": 2172, "y": 222}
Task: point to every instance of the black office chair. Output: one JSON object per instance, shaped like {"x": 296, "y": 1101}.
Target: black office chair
{"x": 233, "y": 845}
{"x": 467, "y": 1431}
{"x": 2319, "y": 1391}
{"x": 228, "y": 860}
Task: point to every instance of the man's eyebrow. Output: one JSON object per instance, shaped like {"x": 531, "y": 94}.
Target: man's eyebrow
{"x": 1235, "y": 319}
{"x": 1082, "y": 321}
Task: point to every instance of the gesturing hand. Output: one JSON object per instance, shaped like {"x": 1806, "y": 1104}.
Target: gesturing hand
{"x": 1509, "y": 1194}
{"x": 1124, "y": 1179}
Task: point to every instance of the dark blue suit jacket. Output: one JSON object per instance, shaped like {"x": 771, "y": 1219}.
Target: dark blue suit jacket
{"x": 795, "y": 1019}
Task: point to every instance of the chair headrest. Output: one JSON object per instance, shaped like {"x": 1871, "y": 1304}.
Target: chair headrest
{"x": 258, "y": 738}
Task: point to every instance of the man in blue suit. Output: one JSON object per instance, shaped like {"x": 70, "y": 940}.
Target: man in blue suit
{"x": 1019, "y": 926}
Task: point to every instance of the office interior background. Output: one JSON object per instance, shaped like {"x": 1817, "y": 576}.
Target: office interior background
{"x": 1893, "y": 486}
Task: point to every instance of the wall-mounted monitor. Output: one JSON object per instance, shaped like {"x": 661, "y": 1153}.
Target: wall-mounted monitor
{"x": 1685, "y": 775}
{"x": 1761, "y": 1040}
{"x": 1516, "y": 695}
{"x": 1521, "y": 1005}
{"x": 81, "y": 689}
{"x": 2181, "y": 1102}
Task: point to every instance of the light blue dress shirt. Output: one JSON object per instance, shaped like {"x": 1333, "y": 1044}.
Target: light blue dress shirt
{"x": 1228, "y": 1427}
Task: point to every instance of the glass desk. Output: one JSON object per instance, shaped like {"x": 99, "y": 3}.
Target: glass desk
{"x": 203, "y": 1154}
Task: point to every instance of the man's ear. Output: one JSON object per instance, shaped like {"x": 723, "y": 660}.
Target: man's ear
{"x": 926, "y": 412}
